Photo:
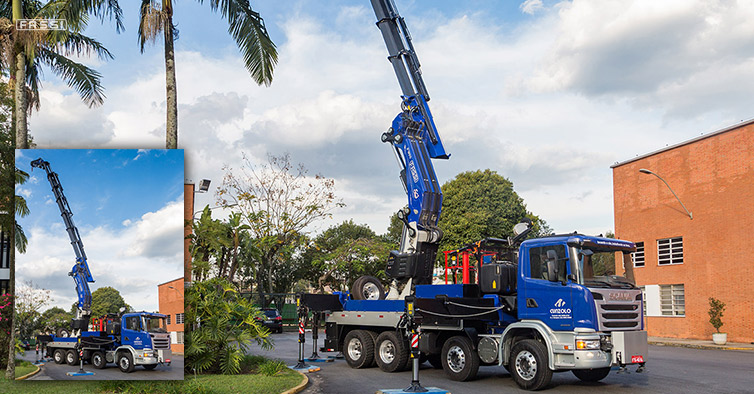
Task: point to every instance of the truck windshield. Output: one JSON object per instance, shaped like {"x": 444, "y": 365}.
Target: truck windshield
{"x": 596, "y": 268}
{"x": 154, "y": 323}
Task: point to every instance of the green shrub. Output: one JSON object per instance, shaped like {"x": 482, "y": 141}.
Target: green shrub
{"x": 716, "y": 309}
{"x": 271, "y": 367}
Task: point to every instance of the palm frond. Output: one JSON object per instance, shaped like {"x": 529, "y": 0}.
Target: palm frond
{"x": 76, "y": 12}
{"x": 151, "y": 22}
{"x": 20, "y": 239}
{"x": 247, "y": 27}
{"x": 81, "y": 45}
{"x": 84, "y": 80}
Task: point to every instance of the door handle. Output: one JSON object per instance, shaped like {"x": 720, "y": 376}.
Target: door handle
{"x": 531, "y": 303}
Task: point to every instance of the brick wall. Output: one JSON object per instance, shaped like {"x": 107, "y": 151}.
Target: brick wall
{"x": 171, "y": 303}
{"x": 714, "y": 177}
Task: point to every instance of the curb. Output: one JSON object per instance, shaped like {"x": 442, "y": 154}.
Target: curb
{"x": 693, "y": 346}
{"x": 300, "y": 386}
{"x": 30, "y": 374}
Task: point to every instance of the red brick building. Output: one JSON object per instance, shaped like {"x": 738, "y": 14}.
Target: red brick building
{"x": 683, "y": 259}
{"x": 171, "y": 304}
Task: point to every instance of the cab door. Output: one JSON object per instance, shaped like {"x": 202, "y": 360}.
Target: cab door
{"x": 546, "y": 300}
{"x": 133, "y": 334}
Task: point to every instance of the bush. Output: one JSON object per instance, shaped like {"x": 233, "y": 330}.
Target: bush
{"x": 220, "y": 325}
{"x": 716, "y": 309}
{"x": 271, "y": 367}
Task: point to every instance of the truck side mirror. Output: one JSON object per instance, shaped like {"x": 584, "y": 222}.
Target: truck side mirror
{"x": 552, "y": 266}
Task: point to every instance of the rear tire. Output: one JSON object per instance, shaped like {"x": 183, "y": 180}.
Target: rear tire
{"x": 368, "y": 288}
{"x": 58, "y": 356}
{"x": 358, "y": 349}
{"x": 71, "y": 357}
{"x": 529, "y": 365}
{"x": 592, "y": 375}
{"x": 391, "y": 352}
{"x": 98, "y": 359}
{"x": 459, "y": 359}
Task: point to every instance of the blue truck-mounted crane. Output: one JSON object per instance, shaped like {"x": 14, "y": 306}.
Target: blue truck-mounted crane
{"x": 127, "y": 339}
{"x": 536, "y": 306}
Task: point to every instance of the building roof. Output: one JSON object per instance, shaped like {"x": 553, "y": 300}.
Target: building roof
{"x": 691, "y": 141}
{"x": 170, "y": 281}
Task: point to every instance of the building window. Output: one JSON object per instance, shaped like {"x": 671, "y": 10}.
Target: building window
{"x": 672, "y": 300}
{"x": 638, "y": 256}
{"x": 180, "y": 337}
{"x": 670, "y": 251}
{"x": 179, "y": 318}
{"x": 168, "y": 319}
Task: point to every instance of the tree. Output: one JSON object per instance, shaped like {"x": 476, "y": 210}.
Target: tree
{"x": 480, "y": 204}
{"x": 25, "y": 51}
{"x": 107, "y": 300}
{"x": 219, "y": 242}
{"x": 244, "y": 24}
{"x": 394, "y": 231}
{"x": 278, "y": 202}
{"x": 343, "y": 253}
{"x": 30, "y": 300}
{"x": 220, "y": 324}
{"x": 53, "y": 319}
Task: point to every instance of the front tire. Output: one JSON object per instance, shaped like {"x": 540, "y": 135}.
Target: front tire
{"x": 391, "y": 352}
{"x": 358, "y": 349}
{"x": 592, "y": 375}
{"x": 459, "y": 359}
{"x": 125, "y": 362}
{"x": 529, "y": 365}
{"x": 98, "y": 359}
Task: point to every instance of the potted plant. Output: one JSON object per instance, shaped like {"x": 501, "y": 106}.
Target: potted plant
{"x": 716, "y": 309}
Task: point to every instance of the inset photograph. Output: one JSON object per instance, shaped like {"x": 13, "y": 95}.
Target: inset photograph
{"x": 99, "y": 276}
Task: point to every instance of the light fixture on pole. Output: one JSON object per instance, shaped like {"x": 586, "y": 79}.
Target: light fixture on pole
{"x": 203, "y": 186}
{"x": 646, "y": 171}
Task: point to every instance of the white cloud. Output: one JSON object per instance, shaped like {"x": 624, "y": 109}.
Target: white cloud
{"x": 531, "y": 6}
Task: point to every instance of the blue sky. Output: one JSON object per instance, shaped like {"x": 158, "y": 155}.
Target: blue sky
{"x": 547, "y": 93}
{"x": 127, "y": 205}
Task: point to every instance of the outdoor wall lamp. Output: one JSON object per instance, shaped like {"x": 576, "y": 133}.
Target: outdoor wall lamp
{"x": 646, "y": 171}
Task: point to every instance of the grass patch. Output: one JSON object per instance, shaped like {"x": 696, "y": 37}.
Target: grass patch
{"x": 24, "y": 367}
{"x": 47, "y": 387}
{"x": 231, "y": 384}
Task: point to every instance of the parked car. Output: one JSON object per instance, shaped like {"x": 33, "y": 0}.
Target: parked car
{"x": 272, "y": 320}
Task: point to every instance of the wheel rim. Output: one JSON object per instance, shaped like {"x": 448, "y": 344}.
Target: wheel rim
{"x": 58, "y": 357}
{"x": 456, "y": 359}
{"x": 124, "y": 362}
{"x": 387, "y": 352}
{"x": 69, "y": 358}
{"x": 526, "y": 365}
{"x": 354, "y": 349}
{"x": 97, "y": 359}
{"x": 370, "y": 291}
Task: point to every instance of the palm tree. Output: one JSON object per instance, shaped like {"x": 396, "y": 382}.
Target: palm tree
{"x": 25, "y": 51}
{"x": 244, "y": 24}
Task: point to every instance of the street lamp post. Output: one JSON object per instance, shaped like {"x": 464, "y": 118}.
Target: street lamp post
{"x": 646, "y": 171}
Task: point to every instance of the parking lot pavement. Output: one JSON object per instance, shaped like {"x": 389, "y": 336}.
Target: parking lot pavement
{"x": 51, "y": 371}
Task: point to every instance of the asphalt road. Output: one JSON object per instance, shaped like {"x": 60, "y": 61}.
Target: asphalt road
{"x": 669, "y": 370}
{"x": 52, "y": 371}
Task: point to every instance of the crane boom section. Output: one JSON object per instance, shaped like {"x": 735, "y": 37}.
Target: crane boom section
{"x": 80, "y": 271}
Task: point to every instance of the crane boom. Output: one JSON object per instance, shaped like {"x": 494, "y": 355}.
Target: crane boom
{"x": 80, "y": 272}
{"x": 415, "y": 142}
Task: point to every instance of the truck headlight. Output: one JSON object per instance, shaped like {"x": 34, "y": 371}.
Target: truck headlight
{"x": 587, "y": 344}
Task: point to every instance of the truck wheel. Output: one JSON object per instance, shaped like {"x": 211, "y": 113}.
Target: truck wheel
{"x": 368, "y": 288}
{"x": 592, "y": 375}
{"x": 62, "y": 332}
{"x": 98, "y": 359}
{"x": 59, "y": 356}
{"x": 125, "y": 362}
{"x": 149, "y": 367}
{"x": 435, "y": 361}
{"x": 529, "y": 365}
{"x": 459, "y": 359}
{"x": 71, "y": 357}
{"x": 358, "y": 349}
{"x": 391, "y": 352}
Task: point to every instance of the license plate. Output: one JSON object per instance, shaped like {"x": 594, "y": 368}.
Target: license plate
{"x": 637, "y": 359}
